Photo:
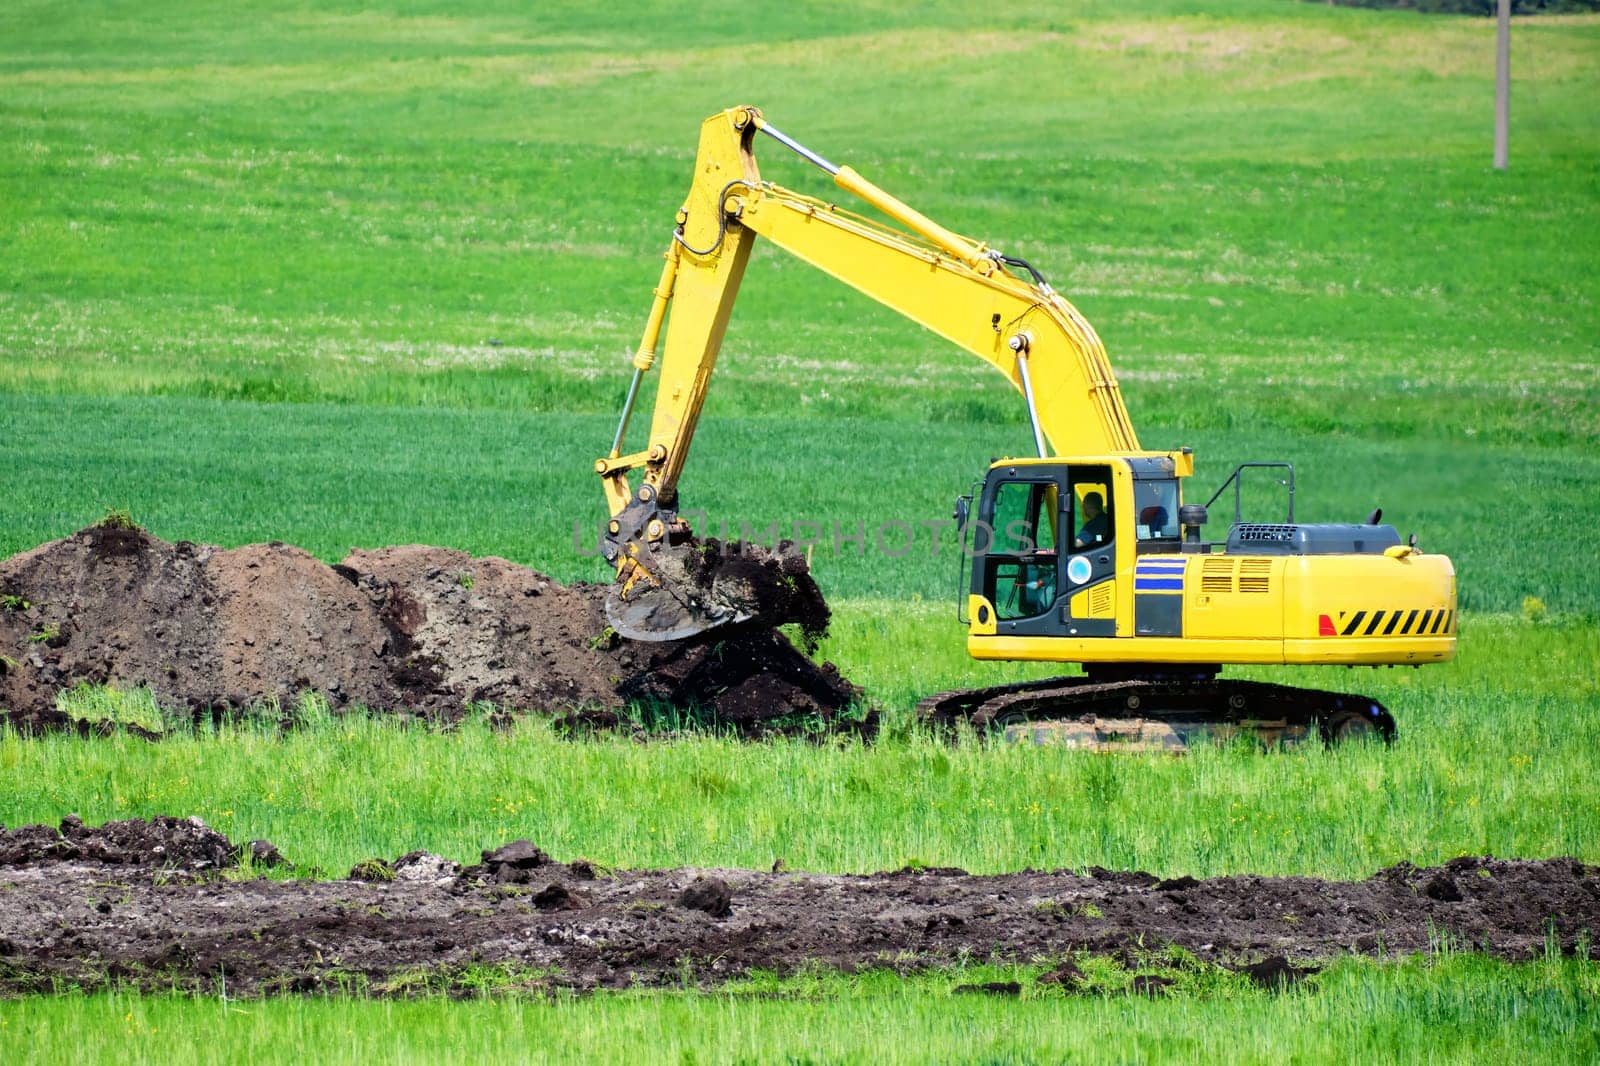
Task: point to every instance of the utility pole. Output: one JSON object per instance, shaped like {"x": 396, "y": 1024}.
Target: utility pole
{"x": 1502, "y": 88}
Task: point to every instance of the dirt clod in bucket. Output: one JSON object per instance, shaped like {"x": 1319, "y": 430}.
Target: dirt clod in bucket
{"x": 773, "y": 586}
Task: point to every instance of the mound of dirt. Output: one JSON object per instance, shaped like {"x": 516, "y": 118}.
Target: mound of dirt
{"x": 484, "y": 629}
{"x": 418, "y": 629}
{"x": 112, "y": 606}
{"x": 169, "y": 843}
{"x": 286, "y": 623}
{"x": 97, "y": 906}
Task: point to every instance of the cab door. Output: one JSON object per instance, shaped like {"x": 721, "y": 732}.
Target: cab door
{"x": 1017, "y": 565}
{"x": 1090, "y": 553}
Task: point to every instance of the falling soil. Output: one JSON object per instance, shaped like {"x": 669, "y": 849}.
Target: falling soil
{"x": 417, "y": 629}
{"x": 146, "y": 903}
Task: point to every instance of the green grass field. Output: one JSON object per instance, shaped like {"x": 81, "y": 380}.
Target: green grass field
{"x": 1454, "y": 1009}
{"x": 1478, "y": 770}
{"x": 342, "y": 275}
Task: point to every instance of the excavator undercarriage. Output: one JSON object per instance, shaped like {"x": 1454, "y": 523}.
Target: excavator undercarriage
{"x": 1160, "y": 712}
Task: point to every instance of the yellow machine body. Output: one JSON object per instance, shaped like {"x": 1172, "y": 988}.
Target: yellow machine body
{"x": 1388, "y": 607}
{"x": 1371, "y": 610}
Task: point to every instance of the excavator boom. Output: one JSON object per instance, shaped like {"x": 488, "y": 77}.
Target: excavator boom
{"x": 962, "y": 290}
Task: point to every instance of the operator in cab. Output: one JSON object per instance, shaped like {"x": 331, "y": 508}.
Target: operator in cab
{"x": 1096, "y": 526}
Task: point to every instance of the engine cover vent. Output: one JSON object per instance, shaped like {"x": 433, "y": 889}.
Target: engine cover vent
{"x": 1216, "y": 574}
{"x": 1323, "y": 538}
{"x": 1255, "y": 575}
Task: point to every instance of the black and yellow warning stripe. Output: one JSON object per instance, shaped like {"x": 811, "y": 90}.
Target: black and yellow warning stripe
{"x": 1402, "y": 623}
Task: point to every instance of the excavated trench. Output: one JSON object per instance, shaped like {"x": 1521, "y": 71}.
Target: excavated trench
{"x": 156, "y": 905}
{"x": 414, "y": 629}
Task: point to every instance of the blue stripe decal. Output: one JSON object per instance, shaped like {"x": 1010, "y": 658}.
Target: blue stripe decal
{"x": 1165, "y": 564}
{"x": 1158, "y": 584}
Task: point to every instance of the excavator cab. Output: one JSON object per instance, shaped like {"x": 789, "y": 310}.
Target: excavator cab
{"x": 1019, "y": 540}
{"x": 1050, "y": 538}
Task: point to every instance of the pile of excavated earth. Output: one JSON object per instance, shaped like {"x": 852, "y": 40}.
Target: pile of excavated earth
{"x": 414, "y": 629}
{"x": 159, "y": 904}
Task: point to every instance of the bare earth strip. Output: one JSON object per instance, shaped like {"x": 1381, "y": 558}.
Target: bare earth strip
{"x": 146, "y": 903}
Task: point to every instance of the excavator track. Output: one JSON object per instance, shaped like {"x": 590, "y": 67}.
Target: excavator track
{"x": 1157, "y": 714}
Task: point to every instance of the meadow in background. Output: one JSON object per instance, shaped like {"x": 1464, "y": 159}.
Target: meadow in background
{"x": 345, "y": 276}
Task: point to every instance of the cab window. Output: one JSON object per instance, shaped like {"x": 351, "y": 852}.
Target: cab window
{"x": 1156, "y": 504}
{"x": 1091, "y": 510}
{"x": 1021, "y": 564}
{"x": 1024, "y": 517}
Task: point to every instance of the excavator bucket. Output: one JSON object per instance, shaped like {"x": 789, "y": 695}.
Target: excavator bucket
{"x": 678, "y": 591}
{"x": 668, "y": 594}
{"x": 659, "y": 615}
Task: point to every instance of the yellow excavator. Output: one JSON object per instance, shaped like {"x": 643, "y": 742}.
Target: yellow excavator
{"x": 1087, "y": 553}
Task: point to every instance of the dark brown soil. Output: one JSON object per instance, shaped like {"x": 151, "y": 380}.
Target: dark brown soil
{"x": 173, "y": 845}
{"x": 43, "y": 720}
{"x": 775, "y": 587}
{"x": 418, "y": 629}
{"x": 144, "y": 903}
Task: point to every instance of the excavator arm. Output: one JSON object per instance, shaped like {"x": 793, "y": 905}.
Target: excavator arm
{"x": 996, "y": 307}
